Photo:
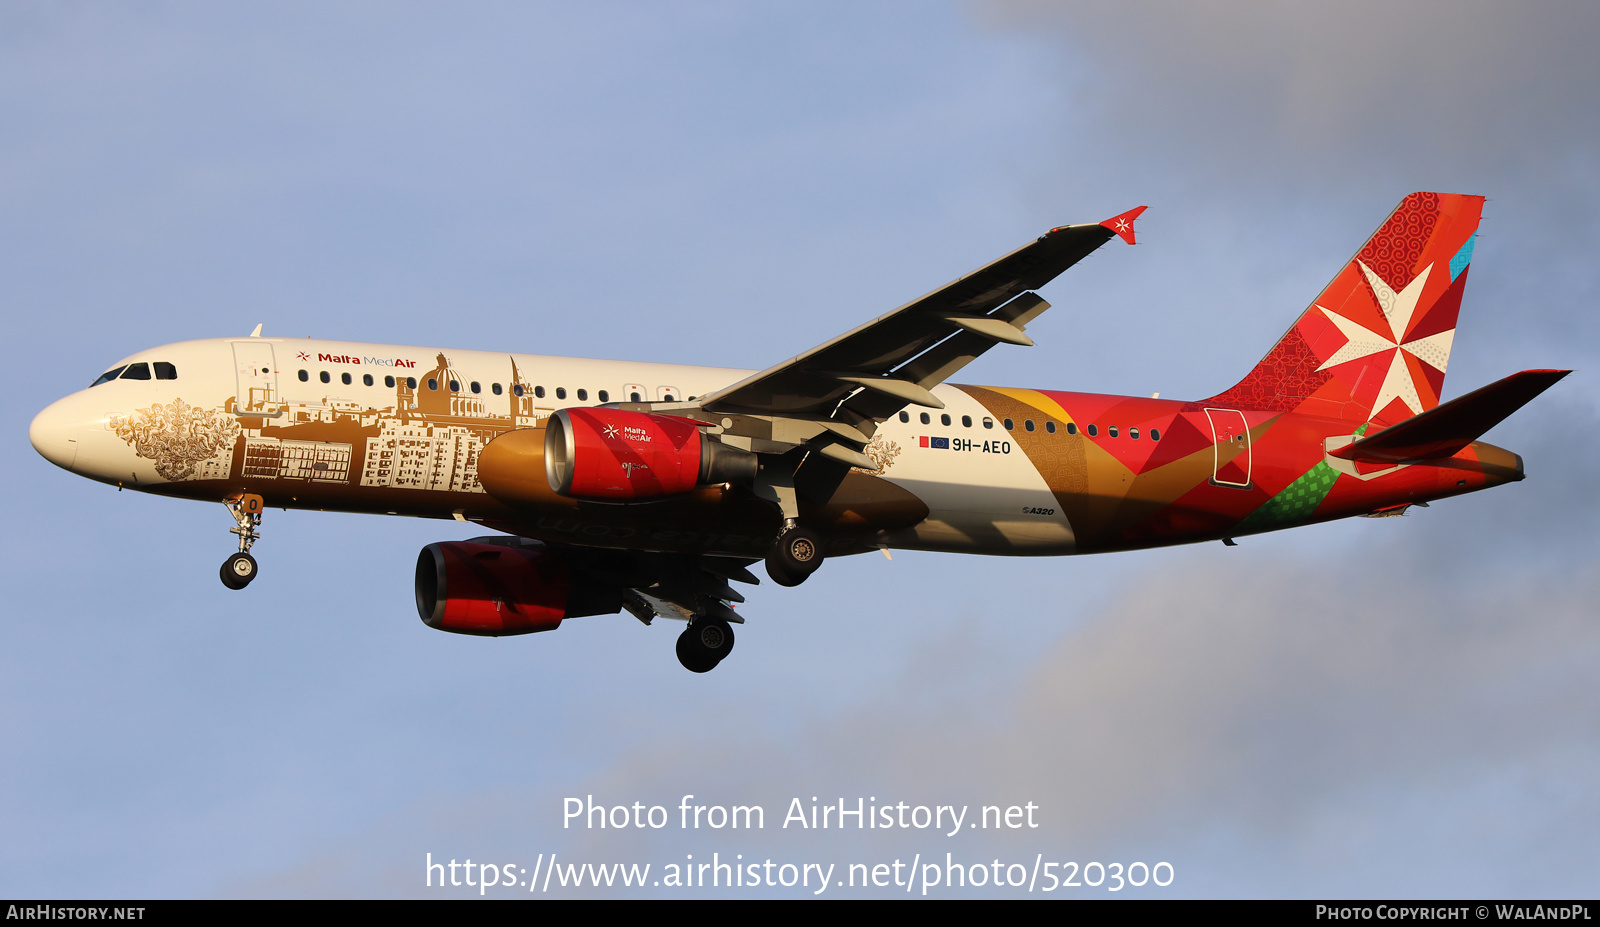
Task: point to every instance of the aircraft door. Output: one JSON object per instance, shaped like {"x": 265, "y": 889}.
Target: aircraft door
{"x": 1230, "y": 449}
{"x": 257, "y": 384}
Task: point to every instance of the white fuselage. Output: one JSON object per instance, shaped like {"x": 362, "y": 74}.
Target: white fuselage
{"x": 151, "y": 432}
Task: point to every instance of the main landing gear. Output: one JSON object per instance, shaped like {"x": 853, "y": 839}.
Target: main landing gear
{"x": 796, "y": 555}
{"x": 239, "y": 569}
{"x": 704, "y": 643}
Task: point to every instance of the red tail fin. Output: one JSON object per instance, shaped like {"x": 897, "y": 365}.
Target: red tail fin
{"x": 1374, "y": 345}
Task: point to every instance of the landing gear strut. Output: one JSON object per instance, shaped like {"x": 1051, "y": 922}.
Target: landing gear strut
{"x": 796, "y": 555}
{"x": 704, "y": 643}
{"x": 240, "y": 568}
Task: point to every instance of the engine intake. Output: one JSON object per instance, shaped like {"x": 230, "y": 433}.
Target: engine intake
{"x": 497, "y": 589}
{"x": 619, "y": 454}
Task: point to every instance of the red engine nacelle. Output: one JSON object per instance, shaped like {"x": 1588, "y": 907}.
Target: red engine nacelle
{"x": 493, "y": 590}
{"x": 618, "y": 454}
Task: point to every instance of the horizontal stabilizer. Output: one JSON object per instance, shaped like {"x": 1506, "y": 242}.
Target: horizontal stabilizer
{"x": 1451, "y": 426}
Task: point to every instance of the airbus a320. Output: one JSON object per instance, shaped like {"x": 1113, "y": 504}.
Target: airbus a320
{"x": 652, "y": 488}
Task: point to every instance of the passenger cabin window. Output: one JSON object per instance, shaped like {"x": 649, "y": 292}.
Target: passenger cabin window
{"x": 1050, "y": 427}
{"x": 516, "y": 390}
{"x": 1133, "y": 433}
{"x": 1010, "y": 425}
{"x": 561, "y": 392}
{"x": 477, "y": 387}
{"x": 433, "y": 383}
{"x": 538, "y": 392}
{"x": 944, "y": 420}
{"x": 905, "y": 416}
{"x": 323, "y": 376}
{"x": 1112, "y": 431}
{"x": 988, "y": 422}
{"x": 635, "y": 397}
{"x": 583, "y": 395}
{"x": 411, "y": 382}
{"x": 137, "y": 372}
{"x": 165, "y": 371}
{"x": 455, "y": 386}
{"x": 387, "y": 381}
{"x": 344, "y": 378}
{"x": 366, "y": 379}
{"x": 1155, "y": 434}
{"x": 605, "y": 396}
{"x": 1072, "y": 428}
{"x": 115, "y": 372}
{"x": 304, "y": 377}
{"x": 966, "y": 421}
{"x": 1092, "y": 431}
{"x": 495, "y": 389}
{"x": 925, "y": 419}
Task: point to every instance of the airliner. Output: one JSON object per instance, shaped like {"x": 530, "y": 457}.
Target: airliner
{"x": 613, "y": 486}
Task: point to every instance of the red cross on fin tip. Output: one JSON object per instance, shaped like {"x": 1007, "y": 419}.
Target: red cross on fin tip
{"x": 1123, "y": 224}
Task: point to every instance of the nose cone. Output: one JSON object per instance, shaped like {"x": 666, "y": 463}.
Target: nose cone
{"x": 55, "y": 432}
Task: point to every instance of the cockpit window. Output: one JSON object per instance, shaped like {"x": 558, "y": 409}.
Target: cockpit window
{"x": 137, "y": 372}
{"x": 108, "y": 376}
{"x": 165, "y": 371}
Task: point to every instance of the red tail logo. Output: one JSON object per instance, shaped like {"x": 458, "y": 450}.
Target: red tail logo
{"x": 1375, "y": 344}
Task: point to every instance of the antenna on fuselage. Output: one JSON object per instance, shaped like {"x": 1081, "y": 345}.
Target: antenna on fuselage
{"x": 257, "y": 332}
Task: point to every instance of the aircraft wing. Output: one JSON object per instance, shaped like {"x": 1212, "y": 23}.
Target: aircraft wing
{"x": 868, "y": 374}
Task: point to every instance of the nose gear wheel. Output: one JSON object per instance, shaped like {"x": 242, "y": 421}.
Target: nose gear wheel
{"x": 238, "y": 570}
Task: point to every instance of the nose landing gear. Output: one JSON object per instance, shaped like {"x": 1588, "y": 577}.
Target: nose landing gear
{"x": 240, "y": 568}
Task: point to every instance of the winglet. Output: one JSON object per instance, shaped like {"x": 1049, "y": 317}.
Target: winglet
{"x": 1123, "y": 224}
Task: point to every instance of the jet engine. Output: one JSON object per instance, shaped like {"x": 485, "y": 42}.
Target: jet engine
{"x": 619, "y": 454}
{"x": 492, "y": 590}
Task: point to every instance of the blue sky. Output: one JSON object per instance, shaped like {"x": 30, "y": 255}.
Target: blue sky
{"x": 1381, "y": 707}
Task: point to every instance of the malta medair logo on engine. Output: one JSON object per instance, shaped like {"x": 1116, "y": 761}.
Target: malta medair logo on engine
{"x": 629, "y": 433}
